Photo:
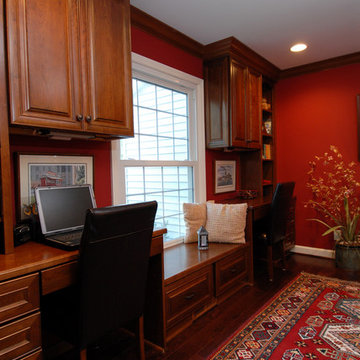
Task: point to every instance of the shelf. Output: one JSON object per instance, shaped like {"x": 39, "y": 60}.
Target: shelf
{"x": 268, "y": 140}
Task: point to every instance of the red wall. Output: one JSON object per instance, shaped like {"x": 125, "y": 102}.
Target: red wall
{"x": 153, "y": 48}
{"x": 314, "y": 111}
{"x": 100, "y": 150}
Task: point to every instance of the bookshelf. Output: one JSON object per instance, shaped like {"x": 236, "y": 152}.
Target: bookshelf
{"x": 268, "y": 143}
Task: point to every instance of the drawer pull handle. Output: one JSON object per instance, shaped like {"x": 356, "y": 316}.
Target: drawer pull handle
{"x": 79, "y": 117}
{"x": 233, "y": 270}
{"x": 190, "y": 296}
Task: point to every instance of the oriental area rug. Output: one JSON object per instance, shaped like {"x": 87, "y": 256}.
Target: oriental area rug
{"x": 314, "y": 317}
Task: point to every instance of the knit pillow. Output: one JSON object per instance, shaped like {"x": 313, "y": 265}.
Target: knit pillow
{"x": 194, "y": 218}
{"x": 226, "y": 222}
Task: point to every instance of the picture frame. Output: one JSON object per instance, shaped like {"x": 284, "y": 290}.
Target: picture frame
{"x": 49, "y": 170}
{"x": 225, "y": 176}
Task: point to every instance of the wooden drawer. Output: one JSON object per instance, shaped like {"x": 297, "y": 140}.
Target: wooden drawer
{"x": 58, "y": 277}
{"x": 34, "y": 356}
{"x": 230, "y": 271}
{"x": 20, "y": 337}
{"x": 19, "y": 297}
{"x": 188, "y": 295}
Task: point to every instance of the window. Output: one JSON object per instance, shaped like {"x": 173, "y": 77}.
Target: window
{"x": 165, "y": 161}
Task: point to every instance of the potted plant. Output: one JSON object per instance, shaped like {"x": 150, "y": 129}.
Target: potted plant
{"x": 336, "y": 199}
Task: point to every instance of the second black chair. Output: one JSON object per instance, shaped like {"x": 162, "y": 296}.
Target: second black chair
{"x": 276, "y": 225}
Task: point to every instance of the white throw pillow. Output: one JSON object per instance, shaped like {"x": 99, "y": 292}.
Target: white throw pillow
{"x": 226, "y": 222}
{"x": 194, "y": 218}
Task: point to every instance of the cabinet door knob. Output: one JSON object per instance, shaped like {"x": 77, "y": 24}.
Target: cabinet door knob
{"x": 79, "y": 117}
{"x": 88, "y": 118}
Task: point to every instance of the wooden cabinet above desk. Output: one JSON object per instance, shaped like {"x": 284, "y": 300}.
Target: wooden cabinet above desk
{"x": 232, "y": 105}
{"x": 70, "y": 65}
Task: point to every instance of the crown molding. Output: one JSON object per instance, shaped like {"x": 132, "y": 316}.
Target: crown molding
{"x": 231, "y": 46}
{"x": 235, "y": 48}
{"x": 321, "y": 65}
{"x": 165, "y": 32}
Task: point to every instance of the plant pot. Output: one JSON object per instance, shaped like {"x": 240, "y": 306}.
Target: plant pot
{"x": 347, "y": 257}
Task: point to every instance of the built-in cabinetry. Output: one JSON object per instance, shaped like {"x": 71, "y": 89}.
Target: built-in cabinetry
{"x": 68, "y": 70}
{"x": 206, "y": 278}
{"x": 233, "y": 93}
{"x": 20, "y": 331}
{"x": 69, "y": 65}
{"x": 236, "y": 82}
{"x": 6, "y": 198}
{"x": 35, "y": 270}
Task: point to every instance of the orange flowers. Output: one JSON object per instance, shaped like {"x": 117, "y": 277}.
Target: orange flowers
{"x": 336, "y": 194}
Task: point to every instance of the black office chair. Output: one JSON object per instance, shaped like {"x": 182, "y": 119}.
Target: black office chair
{"x": 113, "y": 266}
{"x": 275, "y": 226}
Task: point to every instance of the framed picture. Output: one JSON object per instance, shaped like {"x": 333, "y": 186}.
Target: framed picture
{"x": 49, "y": 170}
{"x": 225, "y": 176}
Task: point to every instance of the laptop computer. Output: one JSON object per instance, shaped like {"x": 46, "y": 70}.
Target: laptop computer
{"x": 62, "y": 213}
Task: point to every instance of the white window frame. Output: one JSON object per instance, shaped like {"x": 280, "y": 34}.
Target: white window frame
{"x": 145, "y": 68}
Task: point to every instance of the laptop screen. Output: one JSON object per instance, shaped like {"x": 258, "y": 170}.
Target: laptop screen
{"x": 63, "y": 209}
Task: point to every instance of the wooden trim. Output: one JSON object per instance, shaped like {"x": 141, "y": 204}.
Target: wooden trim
{"x": 321, "y": 65}
{"x": 164, "y": 32}
{"x": 5, "y": 181}
{"x": 239, "y": 51}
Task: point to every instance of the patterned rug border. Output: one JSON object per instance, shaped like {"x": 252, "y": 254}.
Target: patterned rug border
{"x": 271, "y": 300}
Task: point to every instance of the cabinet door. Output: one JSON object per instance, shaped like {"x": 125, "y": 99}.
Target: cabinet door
{"x": 253, "y": 109}
{"x": 217, "y": 103}
{"x": 106, "y": 61}
{"x": 238, "y": 74}
{"x": 43, "y": 60}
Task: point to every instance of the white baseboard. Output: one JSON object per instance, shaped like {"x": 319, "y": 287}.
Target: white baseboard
{"x": 307, "y": 250}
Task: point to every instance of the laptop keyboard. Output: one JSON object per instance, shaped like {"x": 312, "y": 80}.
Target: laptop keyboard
{"x": 68, "y": 238}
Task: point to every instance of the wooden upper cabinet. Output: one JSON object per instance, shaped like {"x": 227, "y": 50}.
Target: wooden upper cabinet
{"x": 238, "y": 73}
{"x": 44, "y": 63}
{"x": 232, "y": 104}
{"x": 107, "y": 64}
{"x": 217, "y": 103}
{"x": 70, "y": 65}
{"x": 253, "y": 105}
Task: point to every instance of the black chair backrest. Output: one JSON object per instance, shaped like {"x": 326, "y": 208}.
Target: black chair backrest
{"x": 280, "y": 207}
{"x": 114, "y": 255}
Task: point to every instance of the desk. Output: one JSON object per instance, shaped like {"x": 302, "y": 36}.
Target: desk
{"x": 35, "y": 269}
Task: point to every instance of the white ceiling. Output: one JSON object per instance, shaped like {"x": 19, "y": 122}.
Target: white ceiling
{"x": 331, "y": 28}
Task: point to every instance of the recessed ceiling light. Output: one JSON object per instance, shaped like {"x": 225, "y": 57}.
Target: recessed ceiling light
{"x": 298, "y": 47}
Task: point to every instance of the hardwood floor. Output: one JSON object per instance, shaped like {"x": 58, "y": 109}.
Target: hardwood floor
{"x": 208, "y": 332}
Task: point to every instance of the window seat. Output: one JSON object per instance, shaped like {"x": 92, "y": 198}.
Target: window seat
{"x": 197, "y": 280}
